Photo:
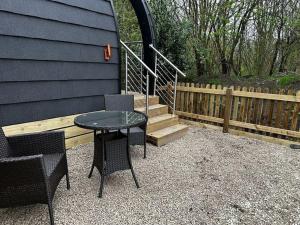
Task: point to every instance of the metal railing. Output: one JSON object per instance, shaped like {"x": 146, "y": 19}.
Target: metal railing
{"x": 137, "y": 74}
{"x": 166, "y": 79}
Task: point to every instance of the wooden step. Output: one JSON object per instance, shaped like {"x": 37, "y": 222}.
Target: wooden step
{"x": 154, "y": 110}
{"x": 167, "y": 135}
{"x": 161, "y": 122}
{"x": 140, "y": 101}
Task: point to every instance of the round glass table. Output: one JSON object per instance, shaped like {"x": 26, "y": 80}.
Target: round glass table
{"x": 111, "y": 147}
{"x": 110, "y": 120}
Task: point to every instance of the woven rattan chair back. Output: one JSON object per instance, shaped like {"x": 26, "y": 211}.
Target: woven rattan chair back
{"x": 119, "y": 102}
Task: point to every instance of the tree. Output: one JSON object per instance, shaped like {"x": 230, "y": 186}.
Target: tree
{"x": 171, "y": 31}
{"x": 128, "y": 23}
{"x": 233, "y": 38}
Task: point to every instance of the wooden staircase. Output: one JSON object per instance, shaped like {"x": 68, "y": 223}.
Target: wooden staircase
{"x": 163, "y": 127}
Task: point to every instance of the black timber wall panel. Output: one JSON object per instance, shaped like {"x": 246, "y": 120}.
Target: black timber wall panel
{"x": 51, "y": 58}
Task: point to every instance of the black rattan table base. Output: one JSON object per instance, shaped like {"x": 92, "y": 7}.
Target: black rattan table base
{"x": 111, "y": 154}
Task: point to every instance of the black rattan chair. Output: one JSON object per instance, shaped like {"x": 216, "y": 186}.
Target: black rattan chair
{"x": 31, "y": 167}
{"x": 126, "y": 103}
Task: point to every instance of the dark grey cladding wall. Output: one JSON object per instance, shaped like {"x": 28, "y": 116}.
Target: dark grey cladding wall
{"x": 51, "y": 58}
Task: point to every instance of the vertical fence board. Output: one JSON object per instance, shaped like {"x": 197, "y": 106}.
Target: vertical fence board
{"x": 170, "y": 95}
{"x": 256, "y": 109}
{"x": 206, "y": 102}
{"x": 236, "y": 105}
{"x": 191, "y": 100}
{"x": 182, "y": 98}
{"x": 260, "y": 110}
{"x": 212, "y": 102}
{"x": 265, "y": 109}
{"x": 178, "y": 96}
{"x": 287, "y": 113}
{"x": 186, "y": 99}
{"x": 279, "y": 109}
{"x": 243, "y": 111}
{"x": 196, "y": 100}
{"x": 271, "y": 113}
{"x": 218, "y": 101}
{"x": 201, "y": 100}
{"x": 249, "y": 107}
{"x": 228, "y": 106}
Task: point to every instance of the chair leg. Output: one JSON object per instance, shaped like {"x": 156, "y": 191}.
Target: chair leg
{"x": 134, "y": 177}
{"x": 68, "y": 180}
{"x": 101, "y": 186}
{"x": 51, "y": 213}
{"x": 91, "y": 172}
{"x": 145, "y": 150}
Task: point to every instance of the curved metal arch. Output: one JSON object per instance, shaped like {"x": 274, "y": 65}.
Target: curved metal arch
{"x": 146, "y": 23}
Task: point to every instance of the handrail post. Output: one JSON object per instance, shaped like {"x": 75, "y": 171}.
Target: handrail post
{"x": 142, "y": 70}
{"x": 147, "y": 95}
{"x": 155, "y": 71}
{"x": 126, "y": 72}
{"x": 175, "y": 93}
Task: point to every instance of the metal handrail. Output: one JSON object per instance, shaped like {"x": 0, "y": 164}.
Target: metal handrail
{"x": 168, "y": 61}
{"x": 140, "y": 61}
{"x": 131, "y": 82}
{"x": 164, "y": 77}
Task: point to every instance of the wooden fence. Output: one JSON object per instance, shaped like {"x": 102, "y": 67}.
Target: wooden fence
{"x": 260, "y": 111}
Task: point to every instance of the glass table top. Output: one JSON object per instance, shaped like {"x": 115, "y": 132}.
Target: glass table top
{"x": 106, "y": 120}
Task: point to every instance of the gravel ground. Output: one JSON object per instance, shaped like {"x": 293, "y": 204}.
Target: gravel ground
{"x": 204, "y": 178}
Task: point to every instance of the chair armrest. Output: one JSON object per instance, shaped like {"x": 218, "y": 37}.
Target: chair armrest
{"x": 22, "y": 171}
{"x": 38, "y": 143}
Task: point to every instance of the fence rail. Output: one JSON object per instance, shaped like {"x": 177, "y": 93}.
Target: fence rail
{"x": 248, "y": 109}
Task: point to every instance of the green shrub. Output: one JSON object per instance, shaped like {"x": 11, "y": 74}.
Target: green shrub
{"x": 215, "y": 81}
{"x": 288, "y": 80}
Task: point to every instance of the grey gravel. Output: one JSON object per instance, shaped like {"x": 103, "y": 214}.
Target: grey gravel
{"x": 207, "y": 177}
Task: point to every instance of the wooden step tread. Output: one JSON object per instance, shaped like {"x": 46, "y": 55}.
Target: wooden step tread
{"x": 167, "y": 135}
{"x": 142, "y": 97}
{"x": 161, "y": 121}
{"x": 151, "y": 107}
{"x": 154, "y": 110}
{"x": 161, "y": 118}
{"x": 167, "y": 131}
{"x": 140, "y": 101}
{"x": 132, "y": 93}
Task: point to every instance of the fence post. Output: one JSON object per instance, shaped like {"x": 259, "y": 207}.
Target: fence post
{"x": 227, "y": 113}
